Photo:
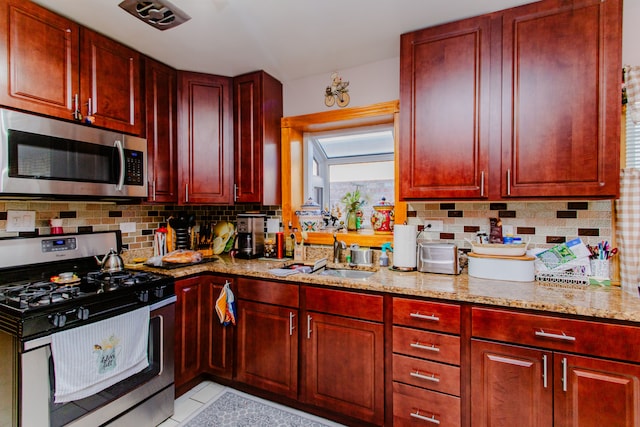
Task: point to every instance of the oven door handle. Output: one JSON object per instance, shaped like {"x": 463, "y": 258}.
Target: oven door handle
{"x": 120, "y": 148}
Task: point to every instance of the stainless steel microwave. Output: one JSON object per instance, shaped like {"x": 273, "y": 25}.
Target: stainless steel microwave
{"x": 44, "y": 157}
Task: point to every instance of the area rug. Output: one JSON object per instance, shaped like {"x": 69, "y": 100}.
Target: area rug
{"x": 236, "y": 409}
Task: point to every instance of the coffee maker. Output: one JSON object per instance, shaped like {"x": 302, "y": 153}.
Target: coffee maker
{"x": 250, "y": 235}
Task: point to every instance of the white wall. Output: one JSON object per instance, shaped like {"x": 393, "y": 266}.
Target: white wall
{"x": 631, "y": 32}
{"x": 379, "y": 81}
{"x": 368, "y": 84}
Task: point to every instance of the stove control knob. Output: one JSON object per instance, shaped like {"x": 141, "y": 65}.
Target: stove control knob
{"x": 82, "y": 313}
{"x": 159, "y": 291}
{"x": 143, "y": 296}
{"x": 58, "y": 319}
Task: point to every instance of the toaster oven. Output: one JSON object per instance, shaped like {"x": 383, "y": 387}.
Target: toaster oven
{"x": 438, "y": 258}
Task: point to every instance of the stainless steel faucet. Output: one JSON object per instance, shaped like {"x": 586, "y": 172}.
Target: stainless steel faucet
{"x": 337, "y": 246}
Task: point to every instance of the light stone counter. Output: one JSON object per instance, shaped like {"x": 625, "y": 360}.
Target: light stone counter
{"x": 592, "y": 301}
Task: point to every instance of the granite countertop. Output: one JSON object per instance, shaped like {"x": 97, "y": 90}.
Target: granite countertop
{"x": 607, "y": 302}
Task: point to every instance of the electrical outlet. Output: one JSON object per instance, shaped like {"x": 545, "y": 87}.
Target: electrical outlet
{"x": 433, "y": 225}
{"x": 128, "y": 227}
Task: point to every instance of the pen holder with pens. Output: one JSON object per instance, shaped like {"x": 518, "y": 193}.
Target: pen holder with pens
{"x": 600, "y": 272}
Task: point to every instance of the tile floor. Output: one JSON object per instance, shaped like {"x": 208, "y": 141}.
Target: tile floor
{"x": 192, "y": 401}
{"x": 198, "y": 396}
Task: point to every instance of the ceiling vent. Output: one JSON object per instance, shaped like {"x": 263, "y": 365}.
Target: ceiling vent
{"x": 160, "y": 14}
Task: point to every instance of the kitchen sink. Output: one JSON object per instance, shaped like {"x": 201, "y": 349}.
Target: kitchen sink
{"x": 345, "y": 273}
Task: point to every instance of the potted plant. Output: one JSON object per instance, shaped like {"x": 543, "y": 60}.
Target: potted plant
{"x": 352, "y": 203}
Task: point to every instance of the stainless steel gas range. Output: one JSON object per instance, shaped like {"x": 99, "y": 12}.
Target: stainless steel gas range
{"x": 37, "y": 302}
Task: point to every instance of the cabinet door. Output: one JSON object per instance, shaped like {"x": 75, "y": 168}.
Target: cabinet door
{"x": 444, "y": 111}
{"x": 344, "y": 366}
{"x": 204, "y": 139}
{"x": 257, "y": 103}
{"x": 110, "y": 83}
{"x": 268, "y": 347}
{"x": 218, "y": 339}
{"x": 510, "y": 386}
{"x": 592, "y": 392}
{"x": 188, "y": 330}
{"x": 39, "y": 51}
{"x": 161, "y": 117}
{"x": 561, "y": 99}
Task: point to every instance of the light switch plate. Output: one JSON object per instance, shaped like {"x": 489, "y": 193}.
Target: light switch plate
{"x": 128, "y": 227}
{"x": 21, "y": 220}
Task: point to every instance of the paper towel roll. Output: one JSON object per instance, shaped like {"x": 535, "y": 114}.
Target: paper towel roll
{"x": 404, "y": 246}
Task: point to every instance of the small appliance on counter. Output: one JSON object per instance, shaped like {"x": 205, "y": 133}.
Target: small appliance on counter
{"x": 250, "y": 235}
{"x": 438, "y": 258}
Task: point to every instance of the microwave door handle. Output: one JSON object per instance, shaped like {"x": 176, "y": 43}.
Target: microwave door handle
{"x": 118, "y": 145}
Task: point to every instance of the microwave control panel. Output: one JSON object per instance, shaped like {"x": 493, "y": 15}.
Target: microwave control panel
{"x": 134, "y": 167}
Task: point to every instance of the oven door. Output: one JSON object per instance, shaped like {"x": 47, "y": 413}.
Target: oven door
{"x": 145, "y": 398}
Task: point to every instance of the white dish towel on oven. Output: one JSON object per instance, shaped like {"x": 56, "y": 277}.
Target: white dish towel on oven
{"x": 90, "y": 358}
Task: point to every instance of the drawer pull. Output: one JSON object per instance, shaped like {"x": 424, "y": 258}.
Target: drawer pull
{"x": 431, "y": 347}
{"x": 431, "y": 317}
{"x": 431, "y": 419}
{"x": 431, "y": 377}
{"x": 564, "y": 336}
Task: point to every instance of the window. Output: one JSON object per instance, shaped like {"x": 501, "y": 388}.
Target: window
{"x": 346, "y": 159}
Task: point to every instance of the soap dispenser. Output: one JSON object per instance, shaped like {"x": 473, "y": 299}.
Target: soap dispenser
{"x": 384, "y": 258}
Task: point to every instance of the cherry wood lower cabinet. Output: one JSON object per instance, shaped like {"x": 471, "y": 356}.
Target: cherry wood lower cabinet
{"x": 268, "y": 336}
{"x": 203, "y": 345}
{"x": 344, "y": 353}
{"x": 426, "y": 363}
{"x": 525, "y": 386}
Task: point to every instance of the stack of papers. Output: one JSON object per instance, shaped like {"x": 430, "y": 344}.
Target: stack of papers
{"x": 565, "y": 256}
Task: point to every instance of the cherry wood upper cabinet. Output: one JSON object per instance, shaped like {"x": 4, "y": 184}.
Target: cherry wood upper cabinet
{"x": 162, "y": 137}
{"x": 110, "y": 83}
{"x": 521, "y": 103}
{"x": 205, "y": 139}
{"x": 39, "y": 51}
{"x": 257, "y": 103}
{"x": 561, "y": 99}
{"x": 444, "y": 110}
{"x": 55, "y": 67}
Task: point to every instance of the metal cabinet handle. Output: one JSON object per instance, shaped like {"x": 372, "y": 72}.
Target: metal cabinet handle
{"x": 564, "y": 374}
{"x": 431, "y": 377}
{"x": 291, "y": 327}
{"x": 564, "y": 337}
{"x": 186, "y": 192}
{"x": 482, "y": 184}
{"x": 154, "y": 189}
{"x": 508, "y": 182}
{"x": 432, "y": 317}
{"x": 308, "y": 326}
{"x": 235, "y": 192}
{"x": 544, "y": 370}
{"x": 431, "y": 419}
{"x": 431, "y": 347}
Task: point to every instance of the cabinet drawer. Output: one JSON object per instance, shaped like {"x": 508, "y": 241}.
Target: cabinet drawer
{"x": 276, "y": 293}
{"x": 413, "y": 406}
{"x": 427, "y": 345}
{"x": 426, "y": 374}
{"x": 344, "y": 303}
{"x": 577, "y": 336}
{"x": 427, "y": 315}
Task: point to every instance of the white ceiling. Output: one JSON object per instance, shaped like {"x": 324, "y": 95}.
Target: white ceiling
{"x": 290, "y": 39}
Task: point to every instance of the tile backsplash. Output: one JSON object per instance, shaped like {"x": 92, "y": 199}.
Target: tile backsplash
{"x": 95, "y": 216}
{"x": 546, "y": 223}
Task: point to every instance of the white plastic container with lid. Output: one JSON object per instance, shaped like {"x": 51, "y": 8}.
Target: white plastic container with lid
{"x": 513, "y": 269}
